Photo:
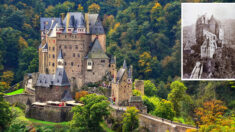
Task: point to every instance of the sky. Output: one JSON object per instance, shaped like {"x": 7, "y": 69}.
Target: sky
{"x": 191, "y": 11}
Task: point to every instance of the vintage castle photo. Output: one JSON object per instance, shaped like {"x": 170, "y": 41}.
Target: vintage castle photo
{"x": 207, "y": 42}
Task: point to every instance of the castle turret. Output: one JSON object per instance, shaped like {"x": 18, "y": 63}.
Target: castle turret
{"x": 60, "y": 60}
{"x": 44, "y": 58}
{"x": 113, "y": 66}
{"x": 129, "y": 80}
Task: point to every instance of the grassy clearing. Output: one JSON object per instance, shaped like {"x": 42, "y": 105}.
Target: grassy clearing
{"x": 39, "y": 122}
{"x": 19, "y": 91}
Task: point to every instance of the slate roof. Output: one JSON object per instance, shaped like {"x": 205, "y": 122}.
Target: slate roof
{"x": 60, "y": 56}
{"x": 124, "y": 64}
{"x": 96, "y": 26}
{"x": 61, "y": 78}
{"x": 97, "y": 51}
{"x": 45, "y": 46}
{"x": 135, "y": 99}
{"x": 45, "y": 22}
{"x": 129, "y": 72}
{"x": 120, "y": 73}
{"x": 66, "y": 96}
{"x": 44, "y": 80}
{"x": 76, "y": 20}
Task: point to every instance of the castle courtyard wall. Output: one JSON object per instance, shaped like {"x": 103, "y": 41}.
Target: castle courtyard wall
{"x": 19, "y": 98}
{"x": 50, "y": 113}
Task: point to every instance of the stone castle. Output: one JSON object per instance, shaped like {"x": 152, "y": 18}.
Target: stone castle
{"x": 82, "y": 39}
{"x": 209, "y": 36}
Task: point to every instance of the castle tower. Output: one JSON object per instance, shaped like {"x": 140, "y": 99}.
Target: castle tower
{"x": 44, "y": 58}
{"x": 122, "y": 86}
{"x": 113, "y": 66}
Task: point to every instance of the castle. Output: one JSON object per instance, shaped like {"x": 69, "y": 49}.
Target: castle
{"x": 82, "y": 39}
{"x": 209, "y": 36}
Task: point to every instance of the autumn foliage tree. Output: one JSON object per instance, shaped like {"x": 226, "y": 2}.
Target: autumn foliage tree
{"x": 80, "y": 94}
{"x": 210, "y": 112}
{"x": 94, "y": 8}
{"x": 130, "y": 119}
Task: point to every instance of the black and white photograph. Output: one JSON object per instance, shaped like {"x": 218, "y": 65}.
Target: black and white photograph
{"x": 208, "y": 41}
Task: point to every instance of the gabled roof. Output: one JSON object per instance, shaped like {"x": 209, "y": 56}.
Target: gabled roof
{"x": 45, "y": 46}
{"x": 61, "y": 78}
{"x": 97, "y": 51}
{"x": 45, "y": 22}
{"x": 74, "y": 19}
{"x": 60, "y": 56}
{"x": 44, "y": 80}
{"x": 120, "y": 73}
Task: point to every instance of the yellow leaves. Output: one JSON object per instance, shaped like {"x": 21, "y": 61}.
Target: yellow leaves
{"x": 166, "y": 60}
{"x": 156, "y": 7}
{"x": 210, "y": 112}
{"x": 114, "y": 28}
{"x": 22, "y": 43}
{"x": 145, "y": 62}
{"x": 79, "y": 95}
{"x": 80, "y": 8}
{"x": 35, "y": 20}
{"x": 94, "y": 8}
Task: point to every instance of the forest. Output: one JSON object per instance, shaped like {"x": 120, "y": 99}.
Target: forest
{"x": 146, "y": 33}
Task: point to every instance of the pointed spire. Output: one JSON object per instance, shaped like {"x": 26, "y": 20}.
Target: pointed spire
{"x": 130, "y": 72}
{"x": 60, "y": 56}
{"x": 124, "y": 65}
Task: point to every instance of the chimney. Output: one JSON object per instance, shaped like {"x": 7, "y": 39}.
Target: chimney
{"x": 62, "y": 16}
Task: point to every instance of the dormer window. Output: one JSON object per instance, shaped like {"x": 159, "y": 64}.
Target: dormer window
{"x": 89, "y": 64}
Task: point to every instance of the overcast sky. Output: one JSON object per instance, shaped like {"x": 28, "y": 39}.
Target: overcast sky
{"x": 191, "y": 11}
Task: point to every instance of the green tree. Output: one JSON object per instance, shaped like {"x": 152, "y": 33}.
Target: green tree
{"x": 87, "y": 118}
{"x": 165, "y": 109}
{"x": 177, "y": 94}
{"x": 149, "y": 88}
{"x": 5, "y": 113}
{"x": 130, "y": 120}
{"x": 80, "y": 8}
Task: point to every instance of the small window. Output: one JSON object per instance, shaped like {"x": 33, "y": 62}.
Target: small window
{"x": 60, "y": 47}
{"x": 64, "y": 54}
{"x": 89, "y": 63}
{"x": 78, "y": 65}
{"x": 65, "y": 46}
{"x": 76, "y": 46}
{"x": 71, "y": 63}
{"x": 65, "y": 36}
{"x": 73, "y": 54}
{"x": 78, "y": 55}
{"x": 102, "y": 61}
{"x": 53, "y": 56}
{"x": 65, "y": 63}
{"x": 53, "y": 64}
{"x": 53, "y": 48}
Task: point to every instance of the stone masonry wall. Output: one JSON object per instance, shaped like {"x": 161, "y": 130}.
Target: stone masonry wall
{"x": 155, "y": 124}
{"x": 50, "y": 113}
{"x": 53, "y": 93}
{"x": 99, "y": 69}
{"x": 19, "y": 98}
{"x": 139, "y": 85}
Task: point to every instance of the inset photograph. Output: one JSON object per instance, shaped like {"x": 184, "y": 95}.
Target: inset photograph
{"x": 208, "y": 41}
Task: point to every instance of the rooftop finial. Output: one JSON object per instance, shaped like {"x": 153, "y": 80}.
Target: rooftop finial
{"x": 124, "y": 65}
{"x": 60, "y": 56}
